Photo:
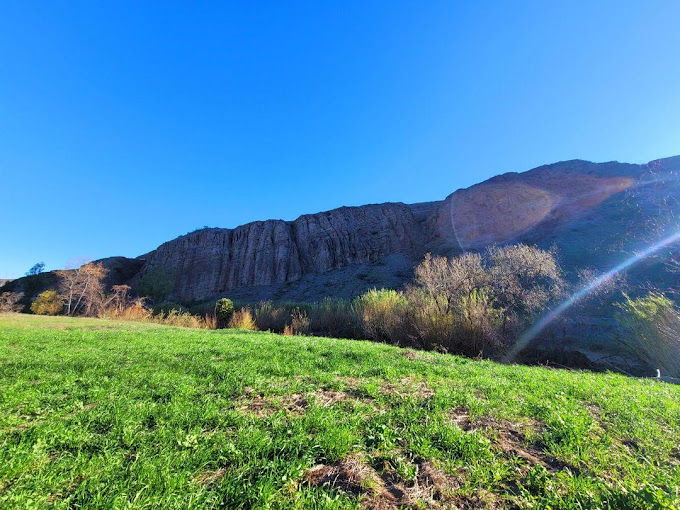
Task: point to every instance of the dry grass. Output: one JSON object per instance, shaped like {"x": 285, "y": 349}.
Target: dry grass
{"x": 243, "y": 319}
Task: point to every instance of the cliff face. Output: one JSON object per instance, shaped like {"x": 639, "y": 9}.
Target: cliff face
{"x": 596, "y": 214}
{"x": 212, "y": 261}
{"x": 584, "y": 208}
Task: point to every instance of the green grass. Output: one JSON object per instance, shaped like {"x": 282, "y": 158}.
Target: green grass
{"x": 96, "y": 413}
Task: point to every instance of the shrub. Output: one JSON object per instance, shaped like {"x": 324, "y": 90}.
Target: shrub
{"x": 269, "y": 317}
{"x": 131, "y": 311}
{"x": 179, "y": 318}
{"x": 9, "y": 301}
{"x": 381, "y": 314}
{"x": 156, "y": 284}
{"x": 48, "y": 302}
{"x": 652, "y": 331}
{"x": 224, "y": 310}
{"x": 243, "y": 319}
{"x": 478, "y": 303}
{"x": 333, "y": 317}
{"x": 299, "y": 323}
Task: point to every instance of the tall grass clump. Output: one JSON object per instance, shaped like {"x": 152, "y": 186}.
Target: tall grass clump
{"x": 299, "y": 323}
{"x": 651, "y": 327}
{"x": 243, "y": 319}
{"x": 271, "y": 317}
{"x": 382, "y": 314}
{"x": 333, "y": 317}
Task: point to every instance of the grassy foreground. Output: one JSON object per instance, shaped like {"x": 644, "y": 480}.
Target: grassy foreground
{"x": 97, "y": 413}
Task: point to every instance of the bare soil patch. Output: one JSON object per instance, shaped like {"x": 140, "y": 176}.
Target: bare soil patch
{"x": 294, "y": 403}
{"x": 432, "y": 488}
{"x": 408, "y": 387}
{"x": 210, "y": 477}
{"x": 510, "y": 438}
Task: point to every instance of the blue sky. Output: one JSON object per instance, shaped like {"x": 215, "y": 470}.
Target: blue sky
{"x": 126, "y": 124}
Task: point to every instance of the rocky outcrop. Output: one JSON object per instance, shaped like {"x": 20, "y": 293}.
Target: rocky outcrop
{"x": 212, "y": 261}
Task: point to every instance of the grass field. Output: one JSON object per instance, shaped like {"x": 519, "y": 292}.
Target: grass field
{"x": 103, "y": 414}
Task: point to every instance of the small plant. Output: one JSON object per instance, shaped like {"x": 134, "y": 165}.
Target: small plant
{"x": 299, "y": 322}
{"x": 224, "y": 310}
{"x": 243, "y": 319}
{"x": 48, "y": 302}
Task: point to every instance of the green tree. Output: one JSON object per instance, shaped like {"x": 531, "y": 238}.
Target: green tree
{"x": 36, "y": 269}
{"x": 156, "y": 284}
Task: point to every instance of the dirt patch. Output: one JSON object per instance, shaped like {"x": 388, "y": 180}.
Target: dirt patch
{"x": 408, "y": 387}
{"x": 210, "y": 477}
{"x": 431, "y": 488}
{"x": 482, "y": 498}
{"x": 510, "y": 438}
{"x": 460, "y": 417}
{"x": 326, "y": 398}
{"x": 295, "y": 404}
{"x": 259, "y": 407}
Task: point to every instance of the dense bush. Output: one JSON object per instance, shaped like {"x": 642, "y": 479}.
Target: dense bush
{"x": 48, "y": 302}
{"x": 156, "y": 284}
{"x": 270, "y": 317}
{"x": 382, "y": 314}
{"x": 478, "y": 303}
{"x": 333, "y": 317}
{"x": 652, "y": 331}
{"x": 224, "y": 310}
{"x": 9, "y": 302}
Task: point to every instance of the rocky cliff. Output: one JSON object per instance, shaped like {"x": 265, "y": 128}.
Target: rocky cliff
{"x": 595, "y": 213}
{"x": 264, "y": 253}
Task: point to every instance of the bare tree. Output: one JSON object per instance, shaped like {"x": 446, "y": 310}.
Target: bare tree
{"x": 119, "y": 298}
{"x": 83, "y": 288}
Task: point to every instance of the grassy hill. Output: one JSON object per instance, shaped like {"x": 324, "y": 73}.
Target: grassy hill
{"x": 96, "y": 413}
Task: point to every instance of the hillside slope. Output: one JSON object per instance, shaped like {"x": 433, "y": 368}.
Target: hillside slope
{"x": 97, "y": 413}
{"x": 596, "y": 214}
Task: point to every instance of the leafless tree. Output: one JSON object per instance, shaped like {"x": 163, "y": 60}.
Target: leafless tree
{"x": 119, "y": 298}
{"x": 83, "y": 288}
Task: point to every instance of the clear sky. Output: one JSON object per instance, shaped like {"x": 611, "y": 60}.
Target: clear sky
{"x": 126, "y": 124}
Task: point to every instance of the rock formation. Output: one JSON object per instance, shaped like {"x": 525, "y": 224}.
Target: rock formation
{"x": 590, "y": 211}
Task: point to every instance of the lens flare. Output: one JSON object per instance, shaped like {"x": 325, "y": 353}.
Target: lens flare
{"x": 582, "y": 293}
